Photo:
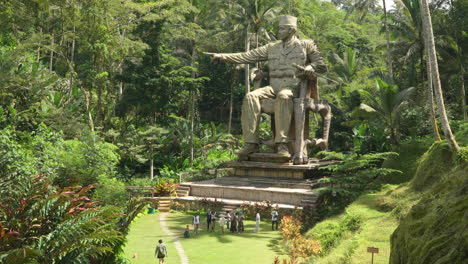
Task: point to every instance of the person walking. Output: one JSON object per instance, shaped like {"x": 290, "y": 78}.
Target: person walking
{"x": 161, "y": 251}
{"x": 257, "y": 222}
{"x": 196, "y": 222}
{"x": 274, "y": 219}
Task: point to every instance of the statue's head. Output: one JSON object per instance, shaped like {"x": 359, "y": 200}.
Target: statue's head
{"x": 287, "y": 27}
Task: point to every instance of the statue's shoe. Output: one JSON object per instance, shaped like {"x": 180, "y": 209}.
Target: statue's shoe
{"x": 249, "y": 148}
{"x": 283, "y": 150}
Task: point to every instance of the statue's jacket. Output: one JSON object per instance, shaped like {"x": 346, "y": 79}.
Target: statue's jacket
{"x": 281, "y": 58}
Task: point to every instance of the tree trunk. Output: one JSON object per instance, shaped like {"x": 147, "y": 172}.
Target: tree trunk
{"x": 192, "y": 109}
{"x": 430, "y": 98}
{"x": 51, "y": 57}
{"x": 72, "y": 58}
{"x": 231, "y": 99}
{"x": 247, "y": 66}
{"x": 463, "y": 96}
{"x": 152, "y": 168}
{"x": 434, "y": 71}
{"x": 387, "y": 36}
{"x": 88, "y": 109}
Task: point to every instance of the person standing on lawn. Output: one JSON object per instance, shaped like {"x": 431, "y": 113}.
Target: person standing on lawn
{"x": 161, "y": 251}
{"x": 208, "y": 220}
{"x": 234, "y": 222}
{"x": 221, "y": 223}
{"x": 257, "y": 222}
{"x": 240, "y": 225}
{"x": 228, "y": 220}
{"x": 196, "y": 222}
{"x": 274, "y": 219}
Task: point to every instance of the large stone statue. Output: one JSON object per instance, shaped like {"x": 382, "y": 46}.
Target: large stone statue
{"x": 285, "y": 57}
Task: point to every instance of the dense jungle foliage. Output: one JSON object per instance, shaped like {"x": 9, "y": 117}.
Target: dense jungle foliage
{"x": 96, "y": 95}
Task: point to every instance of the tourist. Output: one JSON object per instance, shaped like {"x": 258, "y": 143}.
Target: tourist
{"x": 221, "y": 223}
{"x": 257, "y": 222}
{"x": 196, "y": 222}
{"x": 234, "y": 223}
{"x": 161, "y": 251}
{"x": 240, "y": 225}
{"x": 228, "y": 220}
{"x": 187, "y": 232}
{"x": 208, "y": 220}
{"x": 213, "y": 220}
{"x": 274, "y": 219}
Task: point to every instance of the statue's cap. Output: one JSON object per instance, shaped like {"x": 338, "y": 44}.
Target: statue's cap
{"x": 288, "y": 21}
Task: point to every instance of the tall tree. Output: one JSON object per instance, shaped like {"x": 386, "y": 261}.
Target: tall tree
{"x": 434, "y": 72}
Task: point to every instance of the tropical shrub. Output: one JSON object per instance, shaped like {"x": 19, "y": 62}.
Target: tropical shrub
{"x": 349, "y": 178}
{"x": 299, "y": 247}
{"x": 42, "y": 224}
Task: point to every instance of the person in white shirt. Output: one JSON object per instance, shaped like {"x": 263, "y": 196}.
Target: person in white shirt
{"x": 257, "y": 222}
{"x": 196, "y": 223}
{"x": 221, "y": 223}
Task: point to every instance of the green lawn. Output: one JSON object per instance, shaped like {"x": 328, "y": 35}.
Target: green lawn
{"x": 143, "y": 238}
{"x": 206, "y": 247}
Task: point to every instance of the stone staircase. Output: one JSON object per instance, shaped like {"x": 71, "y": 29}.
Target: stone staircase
{"x": 183, "y": 190}
{"x": 164, "y": 204}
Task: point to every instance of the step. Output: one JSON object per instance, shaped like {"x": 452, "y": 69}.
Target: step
{"x": 265, "y": 182}
{"x": 250, "y": 193}
{"x": 234, "y": 202}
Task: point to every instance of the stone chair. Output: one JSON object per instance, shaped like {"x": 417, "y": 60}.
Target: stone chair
{"x": 308, "y": 101}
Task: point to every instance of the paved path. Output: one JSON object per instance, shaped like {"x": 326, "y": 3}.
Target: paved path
{"x": 178, "y": 245}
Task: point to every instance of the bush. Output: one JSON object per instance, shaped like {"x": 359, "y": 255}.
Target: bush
{"x": 111, "y": 191}
{"x": 298, "y": 246}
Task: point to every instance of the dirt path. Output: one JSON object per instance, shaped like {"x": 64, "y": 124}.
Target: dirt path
{"x": 175, "y": 239}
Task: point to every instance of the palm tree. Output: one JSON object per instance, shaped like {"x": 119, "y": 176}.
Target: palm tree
{"x": 434, "y": 72}
{"x": 387, "y": 103}
{"x": 250, "y": 18}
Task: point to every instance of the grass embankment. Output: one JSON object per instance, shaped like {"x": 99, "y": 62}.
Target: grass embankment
{"x": 206, "y": 247}
{"x": 421, "y": 221}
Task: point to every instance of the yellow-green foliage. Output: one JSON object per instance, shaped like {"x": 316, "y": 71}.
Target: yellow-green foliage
{"x": 436, "y": 229}
{"x": 367, "y": 222}
{"x": 408, "y": 154}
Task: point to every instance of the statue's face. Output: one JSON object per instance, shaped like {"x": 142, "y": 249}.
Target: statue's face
{"x": 285, "y": 31}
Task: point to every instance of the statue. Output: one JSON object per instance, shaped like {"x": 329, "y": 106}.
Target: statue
{"x": 292, "y": 63}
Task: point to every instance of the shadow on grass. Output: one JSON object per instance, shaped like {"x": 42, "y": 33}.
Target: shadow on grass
{"x": 276, "y": 246}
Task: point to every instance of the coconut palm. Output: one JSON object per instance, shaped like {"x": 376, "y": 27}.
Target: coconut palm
{"x": 386, "y": 103}
{"x": 248, "y": 19}
{"x": 434, "y": 72}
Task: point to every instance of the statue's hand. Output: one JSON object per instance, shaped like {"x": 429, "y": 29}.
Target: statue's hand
{"x": 309, "y": 72}
{"x": 214, "y": 56}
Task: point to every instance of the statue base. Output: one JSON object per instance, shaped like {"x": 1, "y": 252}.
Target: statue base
{"x": 264, "y": 157}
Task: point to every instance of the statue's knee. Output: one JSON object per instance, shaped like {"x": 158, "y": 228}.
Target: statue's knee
{"x": 284, "y": 95}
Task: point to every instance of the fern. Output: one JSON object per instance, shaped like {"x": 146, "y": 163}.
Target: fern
{"x": 350, "y": 177}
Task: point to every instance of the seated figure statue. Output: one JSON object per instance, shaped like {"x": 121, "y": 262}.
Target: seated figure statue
{"x": 291, "y": 60}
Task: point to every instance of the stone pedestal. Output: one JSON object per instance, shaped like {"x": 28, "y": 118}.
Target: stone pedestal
{"x": 279, "y": 182}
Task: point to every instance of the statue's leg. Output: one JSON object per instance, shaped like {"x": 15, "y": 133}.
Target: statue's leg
{"x": 299, "y": 118}
{"x": 283, "y": 115}
{"x": 251, "y": 110}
